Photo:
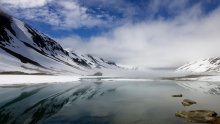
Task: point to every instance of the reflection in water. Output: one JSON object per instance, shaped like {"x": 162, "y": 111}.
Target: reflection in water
{"x": 86, "y": 118}
{"x": 205, "y": 87}
{"x": 114, "y": 102}
{"x": 22, "y": 96}
{"x": 49, "y": 105}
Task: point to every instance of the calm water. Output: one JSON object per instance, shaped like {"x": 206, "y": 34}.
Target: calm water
{"x": 110, "y": 102}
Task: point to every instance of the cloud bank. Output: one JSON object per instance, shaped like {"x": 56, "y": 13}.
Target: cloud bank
{"x": 162, "y": 43}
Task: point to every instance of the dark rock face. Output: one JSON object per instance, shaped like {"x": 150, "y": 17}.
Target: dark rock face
{"x": 93, "y": 59}
{"x": 111, "y": 63}
{"x": 45, "y": 42}
{"x": 215, "y": 61}
{"x": 197, "y": 116}
{"x": 5, "y": 23}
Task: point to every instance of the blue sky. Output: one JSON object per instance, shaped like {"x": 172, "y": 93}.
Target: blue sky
{"x": 102, "y": 27}
{"x": 104, "y": 15}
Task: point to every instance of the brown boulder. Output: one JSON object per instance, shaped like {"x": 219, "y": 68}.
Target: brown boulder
{"x": 198, "y": 116}
{"x": 187, "y": 102}
{"x": 216, "y": 121}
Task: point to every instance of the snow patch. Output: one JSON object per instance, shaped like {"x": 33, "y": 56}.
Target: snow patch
{"x": 35, "y": 79}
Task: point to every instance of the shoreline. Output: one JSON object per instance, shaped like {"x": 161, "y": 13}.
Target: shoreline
{"x": 36, "y": 79}
{"x": 41, "y": 79}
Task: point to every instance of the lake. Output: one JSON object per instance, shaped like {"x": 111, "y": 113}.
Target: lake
{"x": 104, "y": 102}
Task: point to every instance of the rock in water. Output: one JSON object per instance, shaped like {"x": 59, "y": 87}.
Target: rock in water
{"x": 198, "y": 116}
{"x": 177, "y": 95}
{"x": 216, "y": 121}
{"x": 187, "y": 102}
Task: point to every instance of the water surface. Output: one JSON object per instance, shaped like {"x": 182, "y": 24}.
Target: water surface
{"x": 108, "y": 102}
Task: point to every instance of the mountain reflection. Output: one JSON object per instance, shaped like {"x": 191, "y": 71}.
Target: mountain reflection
{"x": 205, "y": 87}
{"x": 36, "y": 105}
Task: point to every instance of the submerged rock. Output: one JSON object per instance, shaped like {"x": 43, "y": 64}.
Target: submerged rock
{"x": 187, "y": 102}
{"x": 177, "y": 95}
{"x": 216, "y": 121}
{"x": 198, "y": 116}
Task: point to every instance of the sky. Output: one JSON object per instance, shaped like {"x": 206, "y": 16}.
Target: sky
{"x": 140, "y": 33}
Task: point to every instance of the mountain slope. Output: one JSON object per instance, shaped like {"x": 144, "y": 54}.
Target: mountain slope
{"x": 23, "y": 48}
{"x": 205, "y": 65}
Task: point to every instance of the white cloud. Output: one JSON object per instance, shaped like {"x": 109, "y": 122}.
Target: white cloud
{"x": 76, "y": 15}
{"x": 25, "y": 3}
{"x": 158, "y": 43}
{"x": 63, "y": 14}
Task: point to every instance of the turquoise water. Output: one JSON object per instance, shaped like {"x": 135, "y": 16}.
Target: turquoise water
{"x": 109, "y": 102}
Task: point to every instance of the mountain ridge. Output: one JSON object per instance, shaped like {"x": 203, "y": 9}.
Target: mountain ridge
{"x": 200, "y": 66}
{"x": 24, "y": 48}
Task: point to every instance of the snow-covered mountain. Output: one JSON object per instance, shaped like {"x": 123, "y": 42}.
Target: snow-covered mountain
{"x": 23, "y": 48}
{"x": 205, "y": 65}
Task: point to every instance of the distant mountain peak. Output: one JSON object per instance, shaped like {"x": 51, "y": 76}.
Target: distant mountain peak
{"x": 204, "y": 65}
